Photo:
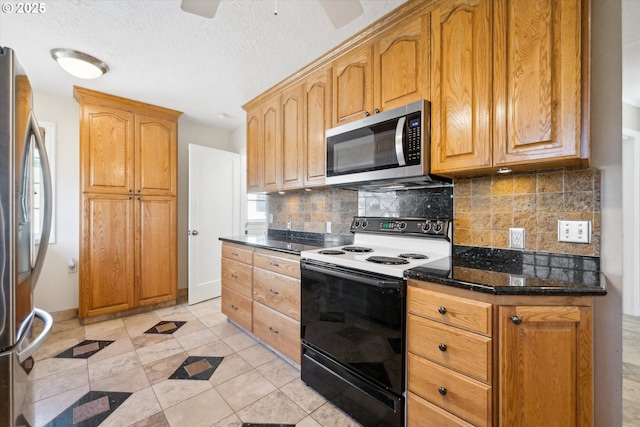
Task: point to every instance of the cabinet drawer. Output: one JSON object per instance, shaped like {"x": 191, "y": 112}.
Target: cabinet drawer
{"x": 288, "y": 265}
{"x": 451, "y": 347}
{"x": 237, "y": 276}
{"x": 277, "y": 330}
{"x": 277, "y": 291}
{"x": 422, "y": 413}
{"x": 465, "y": 397}
{"x": 237, "y": 253}
{"x": 453, "y": 310}
{"x": 237, "y": 307}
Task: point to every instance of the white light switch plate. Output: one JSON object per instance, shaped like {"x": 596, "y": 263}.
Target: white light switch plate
{"x": 574, "y": 231}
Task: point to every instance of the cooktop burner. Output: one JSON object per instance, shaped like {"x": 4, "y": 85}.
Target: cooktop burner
{"x": 331, "y": 252}
{"x": 357, "y": 249}
{"x": 387, "y": 260}
{"x": 413, "y": 256}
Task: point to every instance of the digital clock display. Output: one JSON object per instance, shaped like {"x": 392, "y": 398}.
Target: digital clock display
{"x": 414, "y": 123}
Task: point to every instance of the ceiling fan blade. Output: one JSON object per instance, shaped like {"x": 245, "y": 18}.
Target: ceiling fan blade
{"x": 204, "y": 8}
{"x": 341, "y": 12}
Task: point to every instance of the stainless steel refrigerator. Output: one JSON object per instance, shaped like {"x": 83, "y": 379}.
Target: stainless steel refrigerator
{"x": 25, "y": 200}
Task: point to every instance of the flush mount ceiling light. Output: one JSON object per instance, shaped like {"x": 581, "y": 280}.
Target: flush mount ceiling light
{"x": 79, "y": 64}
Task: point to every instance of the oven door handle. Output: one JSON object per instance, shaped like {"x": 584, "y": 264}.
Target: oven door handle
{"x": 379, "y": 283}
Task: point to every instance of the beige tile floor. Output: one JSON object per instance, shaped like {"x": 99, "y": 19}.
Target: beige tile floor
{"x": 252, "y": 384}
{"x": 630, "y": 371}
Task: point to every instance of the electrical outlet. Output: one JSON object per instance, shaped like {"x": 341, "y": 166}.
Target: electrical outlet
{"x": 516, "y": 238}
{"x": 270, "y": 218}
{"x": 574, "y": 231}
{"x": 328, "y": 227}
{"x": 516, "y": 280}
{"x": 289, "y": 225}
{"x": 72, "y": 266}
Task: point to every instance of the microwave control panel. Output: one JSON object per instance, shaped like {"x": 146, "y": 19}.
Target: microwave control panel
{"x": 414, "y": 139}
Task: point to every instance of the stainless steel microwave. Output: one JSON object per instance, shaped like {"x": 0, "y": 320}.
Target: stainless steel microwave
{"x": 392, "y": 146}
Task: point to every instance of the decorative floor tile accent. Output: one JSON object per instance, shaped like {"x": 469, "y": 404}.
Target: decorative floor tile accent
{"x": 27, "y": 365}
{"x": 84, "y": 350}
{"x": 21, "y": 421}
{"x": 90, "y": 410}
{"x": 165, "y": 327}
{"x": 196, "y": 368}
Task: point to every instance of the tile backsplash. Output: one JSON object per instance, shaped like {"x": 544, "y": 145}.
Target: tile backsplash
{"x": 483, "y": 208}
{"x": 486, "y": 207}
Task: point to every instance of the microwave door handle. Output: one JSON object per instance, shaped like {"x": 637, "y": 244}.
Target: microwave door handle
{"x": 399, "y": 139}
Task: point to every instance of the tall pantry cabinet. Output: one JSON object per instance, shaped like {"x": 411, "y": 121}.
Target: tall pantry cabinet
{"x": 128, "y": 179}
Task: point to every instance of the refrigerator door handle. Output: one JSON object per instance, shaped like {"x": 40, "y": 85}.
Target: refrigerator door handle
{"x": 23, "y": 354}
{"x": 34, "y": 129}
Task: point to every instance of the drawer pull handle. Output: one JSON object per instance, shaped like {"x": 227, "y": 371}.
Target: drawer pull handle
{"x": 275, "y": 331}
{"x": 516, "y": 319}
{"x": 442, "y": 390}
{"x": 234, "y": 253}
{"x": 234, "y": 307}
{"x": 442, "y": 310}
{"x": 272, "y": 292}
{"x": 274, "y": 264}
{"x": 442, "y": 347}
{"x": 235, "y": 276}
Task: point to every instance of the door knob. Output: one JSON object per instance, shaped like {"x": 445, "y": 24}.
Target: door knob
{"x": 195, "y": 233}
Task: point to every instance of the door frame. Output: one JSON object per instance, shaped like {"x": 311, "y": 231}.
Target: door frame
{"x": 631, "y": 221}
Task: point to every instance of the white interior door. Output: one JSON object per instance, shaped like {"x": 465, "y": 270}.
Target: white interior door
{"x": 214, "y": 211}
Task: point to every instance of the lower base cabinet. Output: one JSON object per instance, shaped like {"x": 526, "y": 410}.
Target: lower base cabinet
{"x": 277, "y": 330}
{"x": 540, "y": 366}
{"x": 237, "y": 308}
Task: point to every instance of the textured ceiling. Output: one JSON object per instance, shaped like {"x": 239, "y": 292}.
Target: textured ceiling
{"x": 161, "y": 55}
{"x": 631, "y": 51}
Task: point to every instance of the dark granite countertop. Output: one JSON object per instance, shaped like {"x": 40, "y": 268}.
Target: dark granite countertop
{"x": 291, "y": 242}
{"x": 509, "y": 272}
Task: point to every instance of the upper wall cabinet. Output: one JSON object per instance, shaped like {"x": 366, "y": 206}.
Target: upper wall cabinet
{"x": 391, "y": 71}
{"x": 461, "y": 86}
{"x": 352, "y": 89}
{"x": 401, "y": 63}
{"x": 317, "y": 119}
{"x": 270, "y": 136}
{"x": 292, "y": 149}
{"x": 255, "y": 151}
{"x": 507, "y": 85}
{"x": 537, "y": 80}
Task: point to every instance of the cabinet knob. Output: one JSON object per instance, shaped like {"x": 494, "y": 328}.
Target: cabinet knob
{"x": 275, "y": 331}
{"x": 442, "y": 310}
{"x": 272, "y": 292}
{"x": 442, "y": 390}
{"x": 367, "y": 114}
{"x": 195, "y": 232}
{"x": 516, "y": 319}
{"x": 234, "y": 307}
{"x": 130, "y": 191}
{"x": 376, "y": 111}
{"x": 442, "y": 347}
{"x": 138, "y": 191}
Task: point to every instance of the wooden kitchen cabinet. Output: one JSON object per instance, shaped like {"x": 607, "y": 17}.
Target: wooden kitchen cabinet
{"x": 318, "y": 107}
{"x": 401, "y": 64}
{"x": 546, "y": 366}
{"x": 271, "y": 137}
{"x": 292, "y": 138}
{"x": 128, "y": 163}
{"x": 237, "y": 284}
{"x": 461, "y": 79}
{"x": 507, "y": 360}
{"x": 507, "y": 85}
{"x": 255, "y": 151}
{"x": 352, "y": 85}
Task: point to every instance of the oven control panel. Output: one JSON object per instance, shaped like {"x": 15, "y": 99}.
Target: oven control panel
{"x": 439, "y": 228}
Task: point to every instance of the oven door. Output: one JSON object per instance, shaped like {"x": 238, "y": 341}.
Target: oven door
{"x": 356, "y": 320}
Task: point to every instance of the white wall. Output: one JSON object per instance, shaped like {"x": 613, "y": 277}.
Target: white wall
{"x": 606, "y": 154}
{"x": 57, "y": 289}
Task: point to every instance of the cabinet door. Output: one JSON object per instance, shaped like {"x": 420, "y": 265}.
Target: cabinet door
{"x": 352, "y": 86}
{"x": 461, "y": 107}
{"x": 106, "y": 254}
{"x": 546, "y": 366}
{"x": 255, "y": 152}
{"x": 401, "y": 64}
{"x": 537, "y": 80}
{"x": 156, "y": 236}
{"x": 271, "y": 140}
{"x": 292, "y": 154}
{"x": 106, "y": 150}
{"x": 156, "y": 151}
{"x": 318, "y": 107}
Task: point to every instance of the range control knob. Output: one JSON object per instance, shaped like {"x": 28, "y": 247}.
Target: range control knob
{"x": 365, "y": 223}
{"x": 426, "y": 227}
{"x": 403, "y": 225}
{"x": 437, "y": 228}
{"x": 356, "y": 223}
